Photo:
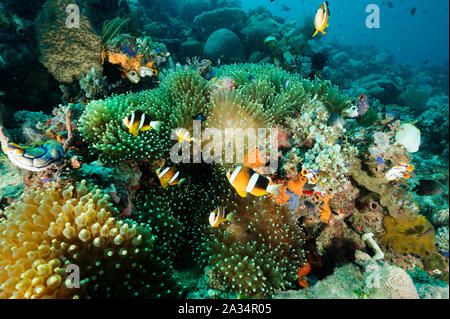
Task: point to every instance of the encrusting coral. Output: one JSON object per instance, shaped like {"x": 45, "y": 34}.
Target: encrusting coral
{"x": 67, "y": 52}
{"x": 49, "y": 229}
{"x": 410, "y": 234}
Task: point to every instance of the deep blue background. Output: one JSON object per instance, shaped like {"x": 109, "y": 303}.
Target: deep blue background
{"x": 411, "y": 39}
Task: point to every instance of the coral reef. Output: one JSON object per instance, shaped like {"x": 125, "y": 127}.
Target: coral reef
{"x": 135, "y": 126}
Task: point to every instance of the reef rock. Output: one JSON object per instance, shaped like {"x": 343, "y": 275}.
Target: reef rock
{"x": 260, "y": 27}
{"x": 223, "y": 44}
{"x": 191, "y": 47}
{"x": 220, "y": 18}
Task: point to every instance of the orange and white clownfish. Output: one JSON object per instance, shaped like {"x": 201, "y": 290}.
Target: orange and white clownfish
{"x": 168, "y": 176}
{"x": 217, "y": 216}
{"x": 139, "y": 121}
{"x": 245, "y": 180}
{"x": 321, "y": 18}
{"x": 184, "y": 135}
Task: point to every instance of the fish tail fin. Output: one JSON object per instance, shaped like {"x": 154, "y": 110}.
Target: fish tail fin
{"x": 156, "y": 125}
{"x": 315, "y": 33}
{"x": 134, "y": 132}
{"x": 242, "y": 193}
{"x": 273, "y": 189}
{"x": 164, "y": 185}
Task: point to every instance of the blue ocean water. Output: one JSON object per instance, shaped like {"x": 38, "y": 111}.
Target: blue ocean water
{"x": 412, "y": 39}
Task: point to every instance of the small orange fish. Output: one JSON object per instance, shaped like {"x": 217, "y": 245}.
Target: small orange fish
{"x": 245, "y": 180}
{"x": 217, "y": 216}
{"x": 321, "y": 18}
{"x": 303, "y": 271}
{"x": 168, "y": 176}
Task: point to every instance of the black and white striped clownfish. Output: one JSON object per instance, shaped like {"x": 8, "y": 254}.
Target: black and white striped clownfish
{"x": 168, "y": 176}
{"x": 139, "y": 121}
{"x": 245, "y": 180}
{"x": 217, "y": 216}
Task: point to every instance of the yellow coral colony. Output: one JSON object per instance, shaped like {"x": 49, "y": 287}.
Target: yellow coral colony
{"x": 409, "y": 234}
{"x": 51, "y": 228}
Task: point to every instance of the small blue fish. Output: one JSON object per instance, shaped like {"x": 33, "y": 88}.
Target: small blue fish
{"x": 347, "y": 165}
{"x": 445, "y": 253}
{"x": 158, "y": 50}
{"x": 251, "y": 78}
{"x": 208, "y": 76}
{"x": 380, "y": 160}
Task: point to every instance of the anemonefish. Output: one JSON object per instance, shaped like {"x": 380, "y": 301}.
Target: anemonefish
{"x": 168, "y": 176}
{"x": 139, "y": 121}
{"x": 310, "y": 175}
{"x": 399, "y": 171}
{"x": 217, "y": 216}
{"x": 302, "y": 272}
{"x": 321, "y": 18}
{"x": 184, "y": 135}
{"x": 245, "y": 180}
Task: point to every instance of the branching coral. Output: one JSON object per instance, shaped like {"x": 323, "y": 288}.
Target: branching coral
{"x": 54, "y": 227}
{"x": 258, "y": 252}
{"x": 67, "y": 52}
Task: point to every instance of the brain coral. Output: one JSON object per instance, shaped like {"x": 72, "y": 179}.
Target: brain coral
{"x": 67, "y": 52}
{"x": 258, "y": 252}
{"x": 51, "y": 228}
